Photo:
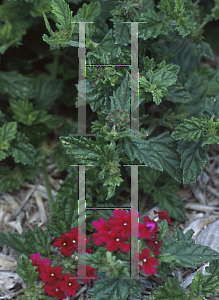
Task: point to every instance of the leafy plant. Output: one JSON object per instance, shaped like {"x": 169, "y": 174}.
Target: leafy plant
{"x": 178, "y": 114}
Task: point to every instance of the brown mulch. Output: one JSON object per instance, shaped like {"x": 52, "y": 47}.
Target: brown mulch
{"x": 28, "y": 207}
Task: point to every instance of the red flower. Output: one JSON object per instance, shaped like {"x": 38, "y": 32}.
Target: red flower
{"x": 156, "y": 244}
{"x": 69, "y": 284}
{"x": 89, "y": 273}
{"x": 89, "y": 250}
{"x": 147, "y": 229}
{"x": 102, "y": 228}
{"x": 163, "y": 215}
{"x": 69, "y": 241}
{"x": 40, "y": 264}
{"x": 114, "y": 240}
{"x": 147, "y": 261}
{"x": 50, "y": 275}
{"x": 65, "y": 243}
{"x": 122, "y": 221}
{"x": 44, "y": 262}
{"x": 54, "y": 291}
{"x": 73, "y": 234}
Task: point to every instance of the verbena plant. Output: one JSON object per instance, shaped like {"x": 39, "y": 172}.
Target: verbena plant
{"x": 179, "y": 113}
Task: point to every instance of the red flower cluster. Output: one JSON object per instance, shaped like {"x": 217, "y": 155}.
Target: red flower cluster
{"x": 53, "y": 278}
{"x": 117, "y": 230}
{"x": 56, "y": 283}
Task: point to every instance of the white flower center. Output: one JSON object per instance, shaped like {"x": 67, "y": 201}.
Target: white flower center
{"x": 144, "y": 260}
{"x": 64, "y": 244}
{"x": 52, "y": 274}
{"x": 73, "y": 241}
{"x": 57, "y": 290}
{"x": 69, "y": 283}
{"x": 125, "y": 224}
{"x": 117, "y": 239}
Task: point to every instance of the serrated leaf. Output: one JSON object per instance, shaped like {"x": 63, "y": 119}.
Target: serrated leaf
{"x": 22, "y": 150}
{"x": 62, "y": 11}
{"x": 178, "y": 94}
{"x": 29, "y": 242}
{"x": 153, "y": 27}
{"x": 17, "y": 242}
{"x": 121, "y": 33}
{"x": 204, "y": 49}
{"x": 169, "y": 201}
{"x": 211, "y": 106}
{"x": 65, "y": 216}
{"x": 163, "y": 229}
{"x": 16, "y": 85}
{"x": 95, "y": 260}
{"x": 40, "y": 239}
{"x": 158, "y": 153}
{"x": 48, "y": 89}
{"x": 50, "y": 121}
{"x": 171, "y": 290}
{"x": 89, "y": 11}
{"x": 213, "y": 268}
{"x": 147, "y": 179}
{"x": 115, "y": 289}
{"x": 190, "y": 255}
{"x": 7, "y": 134}
{"x": 190, "y": 130}
{"x": 196, "y": 285}
{"x": 159, "y": 80}
{"x": 193, "y": 159}
{"x": 10, "y": 179}
{"x": 23, "y": 111}
{"x": 26, "y": 271}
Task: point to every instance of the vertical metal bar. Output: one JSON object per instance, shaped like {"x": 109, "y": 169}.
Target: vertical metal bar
{"x": 82, "y": 83}
{"x": 82, "y": 225}
{"x": 134, "y": 79}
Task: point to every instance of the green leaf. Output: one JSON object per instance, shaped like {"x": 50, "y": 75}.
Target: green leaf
{"x": 62, "y": 12}
{"x": 154, "y": 26}
{"x": 171, "y": 290}
{"x": 178, "y": 94}
{"x": 188, "y": 254}
{"x": 159, "y": 153}
{"x": 7, "y": 134}
{"x": 190, "y": 130}
{"x": 22, "y": 150}
{"x": 29, "y": 242}
{"x": 159, "y": 80}
{"x": 169, "y": 201}
{"x": 163, "y": 229}
{"x": 66, "y": 214}
{"x": 26, "y": 271}
{"x": 211, "y": 106}
{"x": 204, "y": 49}
{"x": 147, "y": 178}
{"x": 213, "y": 268}
{"x": 50, "y": 121}
{"x": 193, "y": 159}
{"x": 121, "y": 33}
{"x": 47, "y": 88}
{"x": 23, "y": 111}
{"x": 196, "y": 285}
{"x": 10, "y": 179}
{"x": 89, "y": 11}
{"x": 16, "y": 85}
{"x": 115, "y": 289}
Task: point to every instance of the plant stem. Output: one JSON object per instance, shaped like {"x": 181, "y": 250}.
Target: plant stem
{"x": 48, "y": 189}
{"x": 55, "y": 63}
